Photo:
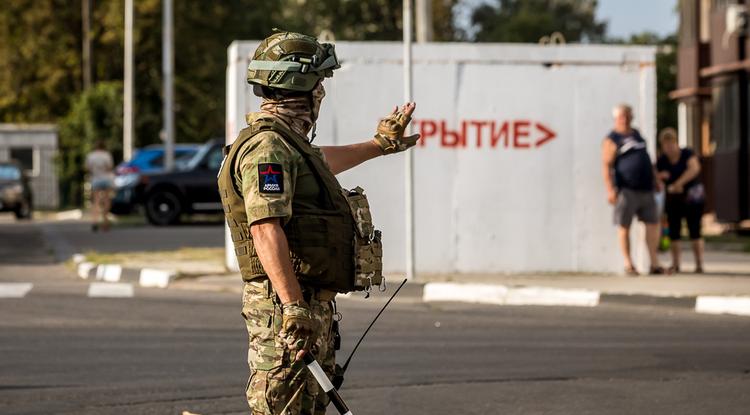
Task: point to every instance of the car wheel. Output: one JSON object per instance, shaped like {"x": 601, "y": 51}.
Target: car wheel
{"x": 163, "y": 207}
{"x": 23, "y": 211}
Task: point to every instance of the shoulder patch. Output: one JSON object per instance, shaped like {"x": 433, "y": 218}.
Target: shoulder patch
{"x": 270, "y": 178}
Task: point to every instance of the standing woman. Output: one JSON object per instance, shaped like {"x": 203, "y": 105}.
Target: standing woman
{"x": 679, "y": 168}
{"x": 99, "y": 164}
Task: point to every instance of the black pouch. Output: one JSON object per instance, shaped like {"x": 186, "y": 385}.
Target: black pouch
{"x": 336, "y": 336}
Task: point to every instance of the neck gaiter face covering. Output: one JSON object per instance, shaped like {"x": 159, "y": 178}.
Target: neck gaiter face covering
{"x": 300, "y": 113}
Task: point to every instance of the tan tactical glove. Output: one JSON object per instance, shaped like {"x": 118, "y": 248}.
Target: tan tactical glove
{"x": 298, "y": 327}
{"x": 390, "y": 135}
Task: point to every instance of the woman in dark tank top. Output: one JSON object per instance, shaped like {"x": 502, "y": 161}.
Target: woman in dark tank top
{"x": 679, "y": 168}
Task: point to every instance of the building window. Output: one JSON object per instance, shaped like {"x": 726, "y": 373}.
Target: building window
{"x": 28, "y": 158}
{"x": 725, "y": 125}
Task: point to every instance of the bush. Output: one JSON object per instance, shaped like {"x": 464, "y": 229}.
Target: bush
{"x": 94, "y": 115}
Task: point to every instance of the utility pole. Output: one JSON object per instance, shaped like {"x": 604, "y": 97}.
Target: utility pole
{"x": 86, "y": 52}
{"x": 127, "y": 111}
{"x": 409, "y": 157}
{"x": 425, "y": 30}
{"x": 167, "y": 70}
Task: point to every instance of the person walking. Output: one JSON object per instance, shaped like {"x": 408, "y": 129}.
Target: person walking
{"x": 99, "y": 164}
{"x": 679, "y": 168}
{"x": 299, "y": 238}
{"x": 630, "y": 182}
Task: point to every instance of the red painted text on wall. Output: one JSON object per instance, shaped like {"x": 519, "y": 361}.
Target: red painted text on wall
{"x": 511, "y": 134}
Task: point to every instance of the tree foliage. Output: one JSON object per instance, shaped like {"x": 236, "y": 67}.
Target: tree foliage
{"x": 666, "y": 74}
{"x": 94, "y": 115}
{"x": 40, "y": 57}
{"x": 360, "y": 20}
{"x": 40, "y": 51}
{"x": 529, "y": 20}
{"x": 41, "y": 60}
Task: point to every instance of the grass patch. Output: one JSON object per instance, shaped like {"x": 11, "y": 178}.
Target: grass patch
{"x": 731, "y": 241}
{"x": 182, "y": 254}
{"x": 125, "y": 221}
{"x": 139, "y": 219}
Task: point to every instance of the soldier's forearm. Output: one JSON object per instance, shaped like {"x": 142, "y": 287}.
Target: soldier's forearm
{"x": 343, "y": 158}
{"x": 273, "y": 251}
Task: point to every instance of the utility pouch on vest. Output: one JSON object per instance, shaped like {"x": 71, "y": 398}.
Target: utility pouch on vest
{"x": 316, "y": 244}
{"x": 368, "y": 247}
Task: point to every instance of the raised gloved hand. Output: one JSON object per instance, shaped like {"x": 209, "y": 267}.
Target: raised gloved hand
{"x": 390, "y": 134}
{"x": 298, "y": 327}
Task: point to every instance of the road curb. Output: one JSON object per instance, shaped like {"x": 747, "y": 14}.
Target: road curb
{"x": 491, "y": 294}
{"x": 648, "y": 300}
{"x": 503, "y": 295}
{"x": 710, "y": 304}
{"x": 508, "y": 295}
{"x": 116, "y": 273}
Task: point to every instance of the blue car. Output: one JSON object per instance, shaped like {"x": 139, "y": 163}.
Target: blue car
{"x": 149, "y": 159}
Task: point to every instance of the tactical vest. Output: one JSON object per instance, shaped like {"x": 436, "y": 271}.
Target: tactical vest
{"x": 333, "y": 246}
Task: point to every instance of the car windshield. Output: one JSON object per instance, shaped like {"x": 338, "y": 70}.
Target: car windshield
{"x": 183, "y": 162}
{"x": 195, "y": 161}
{"x": 9, "y": 173}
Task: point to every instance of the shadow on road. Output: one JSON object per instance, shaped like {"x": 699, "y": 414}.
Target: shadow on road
{"x": 38, "y": 242}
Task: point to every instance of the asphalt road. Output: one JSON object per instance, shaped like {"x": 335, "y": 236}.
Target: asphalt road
{"x": 71, "y": 237}
{"x": 165, "y": 351}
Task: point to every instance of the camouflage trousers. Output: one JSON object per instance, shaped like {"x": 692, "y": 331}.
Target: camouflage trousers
{"x": 276, "y": 381}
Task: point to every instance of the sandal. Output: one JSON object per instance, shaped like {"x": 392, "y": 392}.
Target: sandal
{"x": 631, "y": 271}
{"x": 657, "y": 271}
{"x": 699, "y": 270}
{"x": 673, "y": 269}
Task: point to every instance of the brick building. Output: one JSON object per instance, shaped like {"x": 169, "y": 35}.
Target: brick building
{"x": 712, "y": 91}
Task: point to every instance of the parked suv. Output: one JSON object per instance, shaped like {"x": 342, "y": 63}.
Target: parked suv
{"x": 166, "y": 196}
{"x": 15, "y": 193}
{"x": 149, "y": 159}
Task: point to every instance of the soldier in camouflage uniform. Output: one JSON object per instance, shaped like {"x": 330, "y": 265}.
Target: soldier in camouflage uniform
{"x": 299, "y": 237}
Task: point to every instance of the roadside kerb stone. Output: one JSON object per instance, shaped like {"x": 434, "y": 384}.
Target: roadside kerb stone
{"x": 116, "y": 273}
{"x": 738, "y": 305}
{"x": 545, "y": 296}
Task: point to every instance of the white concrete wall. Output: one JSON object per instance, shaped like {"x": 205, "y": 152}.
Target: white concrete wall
{"x": 42, "y": 138}
{"x": 514, "y": 206}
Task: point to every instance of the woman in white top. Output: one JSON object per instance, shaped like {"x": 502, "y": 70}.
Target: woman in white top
{"x": 99, "y": 164}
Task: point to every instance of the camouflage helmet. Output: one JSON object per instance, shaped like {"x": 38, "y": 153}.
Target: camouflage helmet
{"x": 291, "y": 61}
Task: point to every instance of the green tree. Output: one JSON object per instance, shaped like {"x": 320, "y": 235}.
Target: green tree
{"x": 94, "y": 115}
{"x": 360, "y": 20}
{"x": 39, "y": 59}
{"x": 41, "y": 74}
{"x": 529, "y": 20}
{"x": 666, "y": 74}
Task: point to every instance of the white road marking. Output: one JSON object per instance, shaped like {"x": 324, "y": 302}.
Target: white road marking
{"x": 723, "y": 305}
{"x": 15, "y": 289}
{"x": 503, "y": 295}
{"x": 110, "y": 289}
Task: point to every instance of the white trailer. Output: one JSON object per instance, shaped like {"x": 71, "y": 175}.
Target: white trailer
{"x": 508, "y": 174}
